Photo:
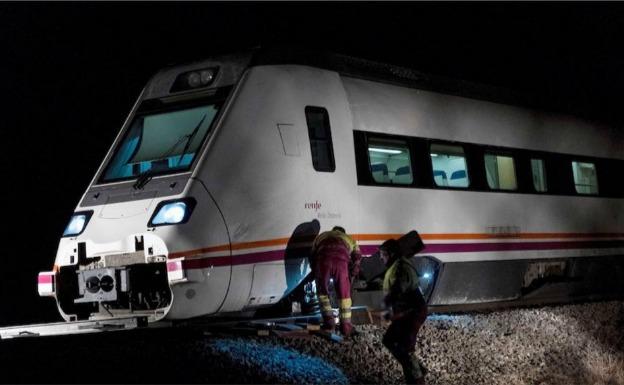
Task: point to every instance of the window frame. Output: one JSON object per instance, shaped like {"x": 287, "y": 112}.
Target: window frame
{"x": 467, "y": 162}
{"x": 544, "y": 160}
{"x": 165, "y": 105}
{"x": 560, "y": 181}
{"x": 410, "y": 152}
{"x": 505, "y": 153}
{"x": 571, "y": 162}
{"x": 327, "y": 124}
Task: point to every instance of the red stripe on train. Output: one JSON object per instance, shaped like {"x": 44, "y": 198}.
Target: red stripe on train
{"x": 278, "y": 255}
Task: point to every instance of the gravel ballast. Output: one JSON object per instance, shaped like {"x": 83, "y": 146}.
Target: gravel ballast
{"x": 570, "y": 344}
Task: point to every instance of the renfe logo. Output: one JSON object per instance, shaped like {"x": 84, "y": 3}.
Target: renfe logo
{"x": 314, "y": 205}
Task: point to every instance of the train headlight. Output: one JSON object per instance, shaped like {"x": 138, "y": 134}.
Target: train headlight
{"x": 172, "y": 212}
{"x": 428, "y": 271}
{"x": 206, "y": 76}
{"x": 194, "y": 79}
{"x": 77, "y": 223}
{"x": 427, "y": 276}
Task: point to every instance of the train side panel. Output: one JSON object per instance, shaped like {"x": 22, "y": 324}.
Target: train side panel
{"x": 386, "y": 108}
{"x": 489, "y": 243}
{"x": 206, "y": 281}
{"x": 260, "y": 172}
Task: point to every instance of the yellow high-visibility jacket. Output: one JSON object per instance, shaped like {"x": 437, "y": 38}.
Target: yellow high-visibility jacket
{"x": 336, "y": 244}
{"x": 400, "y": 286}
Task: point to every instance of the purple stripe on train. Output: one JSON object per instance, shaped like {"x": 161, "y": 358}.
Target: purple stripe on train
{"x": 433, "y": 248}
{"x": 278, "y": 255}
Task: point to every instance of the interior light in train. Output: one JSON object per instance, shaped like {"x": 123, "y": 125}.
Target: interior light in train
{"x": 384, "y": 150}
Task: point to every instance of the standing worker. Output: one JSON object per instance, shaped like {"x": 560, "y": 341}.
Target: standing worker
{"x": 336, "y": 256}
{"x": 407, "y": 310}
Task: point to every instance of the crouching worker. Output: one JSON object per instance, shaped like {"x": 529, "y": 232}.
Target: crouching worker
{"x": 335, "y": 256}
{"x": 407, "y": 310}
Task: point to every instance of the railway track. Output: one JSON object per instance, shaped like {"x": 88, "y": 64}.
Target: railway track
{"x": 297, "y": 326}
{"x": 365, "y": 312}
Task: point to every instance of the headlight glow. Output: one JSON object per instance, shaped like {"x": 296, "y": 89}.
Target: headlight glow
{"x": 206, "y": 76}
{"x": 172, "y": 212}
{"x": 77, "y": 223}
{"x": 428, "y": 268}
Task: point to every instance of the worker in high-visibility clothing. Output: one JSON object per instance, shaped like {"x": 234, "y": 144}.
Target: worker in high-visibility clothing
{"x": 407, "y": 310}
{"x": 335, "y": 256}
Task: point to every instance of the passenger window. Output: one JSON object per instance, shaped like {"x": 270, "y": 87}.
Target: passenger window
{"x": 389, "y": 161}
{"x": 449, "y": 166}
{"x": 585, "y": 179}
{"x": 500, "y": 172}
{"x": 319, "y": 132}
{"x": 538, "y": 169}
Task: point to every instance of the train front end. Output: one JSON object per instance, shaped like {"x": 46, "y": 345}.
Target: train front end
{"x": 122, "y": 252}
{"x": 96, "y": 280}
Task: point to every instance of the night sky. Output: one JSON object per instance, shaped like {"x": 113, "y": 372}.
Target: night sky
{"x": 71, "y": 72}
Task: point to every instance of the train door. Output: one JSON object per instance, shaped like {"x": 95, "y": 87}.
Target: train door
{"x": 332, "y": 177}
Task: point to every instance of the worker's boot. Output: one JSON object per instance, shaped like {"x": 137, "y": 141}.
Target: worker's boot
{"x": 413, "y": 370}
{"x": 346, "y": 328}
{"x": 329, "y": 321}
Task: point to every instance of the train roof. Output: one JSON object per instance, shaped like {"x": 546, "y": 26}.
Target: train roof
{"x": 388, "y": 73}
{"x": 233, "y": 65}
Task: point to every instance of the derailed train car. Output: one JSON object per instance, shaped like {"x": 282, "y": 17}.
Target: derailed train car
{"x": 226, "y": 169}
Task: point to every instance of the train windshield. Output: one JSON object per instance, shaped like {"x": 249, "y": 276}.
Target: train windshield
{"x": 161, "y": 143}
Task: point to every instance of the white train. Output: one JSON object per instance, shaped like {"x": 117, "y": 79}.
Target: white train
{"x": 226, "y": 169}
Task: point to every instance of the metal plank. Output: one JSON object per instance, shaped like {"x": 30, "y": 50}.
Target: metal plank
{"x": 328, "y": 335}
{"x": 75, "y": 327}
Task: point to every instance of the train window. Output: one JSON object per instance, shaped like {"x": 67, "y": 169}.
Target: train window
{"x": 319, "y": 132}
{"x": 161, "y": 142}
{"x": 538, "y": 169}
{"x": 389, "y": 161}
{"x": 449, "y": 165}
{"x": 585, "y": 179}
{"x": 500, "y": 172}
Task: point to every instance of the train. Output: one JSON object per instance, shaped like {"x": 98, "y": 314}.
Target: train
{"x": 226, "y": 169}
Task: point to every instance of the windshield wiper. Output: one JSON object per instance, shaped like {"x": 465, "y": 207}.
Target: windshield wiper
{"x": 189, "y": 139}
{"x": 143, "y": 179}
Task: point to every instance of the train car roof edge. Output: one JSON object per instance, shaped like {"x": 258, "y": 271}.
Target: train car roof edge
{"x": 355, "y": 67}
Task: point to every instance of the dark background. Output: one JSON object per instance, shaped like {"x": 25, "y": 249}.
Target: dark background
{"x": 70, "y": 72}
